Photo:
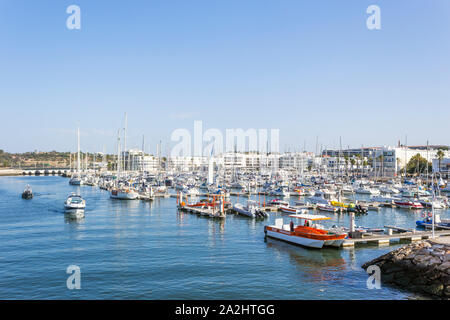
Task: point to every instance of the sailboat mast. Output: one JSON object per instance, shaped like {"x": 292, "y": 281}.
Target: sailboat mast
{"x": 118, "y": 154}
{"x": 125, "y": 141}
{"x": 406, "y": 146}
{"x": 143, "y": 152}
{"x": 78, "y": 149}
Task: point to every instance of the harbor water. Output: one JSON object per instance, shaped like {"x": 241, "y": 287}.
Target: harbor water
{"x": 149, "y": 250}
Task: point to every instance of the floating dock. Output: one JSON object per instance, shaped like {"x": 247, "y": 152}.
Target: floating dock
{"x": 386, "y": 239}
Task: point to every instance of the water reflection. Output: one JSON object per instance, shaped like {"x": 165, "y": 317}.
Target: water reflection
{"x": 216, "y": 226}
{"x": 320, "y": 265}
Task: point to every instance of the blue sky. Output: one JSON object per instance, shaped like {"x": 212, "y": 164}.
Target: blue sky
{"x": 309, "y": 68}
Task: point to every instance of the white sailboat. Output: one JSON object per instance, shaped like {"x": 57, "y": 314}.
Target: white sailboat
{"x": 120, "y": 192}
{"x": 76, "y": 177}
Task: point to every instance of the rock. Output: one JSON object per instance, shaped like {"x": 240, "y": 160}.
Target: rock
{"x": 433, "y": 261}
{"x": 443, "y": 266}
{"x": 405, "y": 264}
{"x": 419, "y": 280}
{"x": 432, "y": 274}
{"x": 437, "y": 254}
{"x": 410, "y": 256}
{"x": 398, "y": 257}
{"x": 419, "y": 267}
{"x": 424, "y": 252}
{"x": 435, "y": 288}
{"x": 447, "y": 291}
{"x": 387, "y": 277}
{"x": 445, "y": 280}
{"x": 402, "y": 281}
{"x": 390, "y": 267}
{"x": 421, "y": 258}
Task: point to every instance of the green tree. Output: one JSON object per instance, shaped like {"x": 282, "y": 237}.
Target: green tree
{"x": 417, "y": 164}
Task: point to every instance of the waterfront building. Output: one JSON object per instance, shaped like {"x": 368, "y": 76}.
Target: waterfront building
{"x": 384, "y": 161}
{"x": 137, "y": 160}
{"x": 443, "y": 168}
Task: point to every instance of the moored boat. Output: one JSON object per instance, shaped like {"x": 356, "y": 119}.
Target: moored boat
{"x": 250, "y": 210}
{"x": 326, "y": 207}
{"x": 427, "y": 222}
{"x": 408, "y": 204}
{"x": 124, "y": 194}
{"x": 291, "y": 210}
{"x": 307, "y": 233}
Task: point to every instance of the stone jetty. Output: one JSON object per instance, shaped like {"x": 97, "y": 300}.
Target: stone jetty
{"x": 422, "y": 267}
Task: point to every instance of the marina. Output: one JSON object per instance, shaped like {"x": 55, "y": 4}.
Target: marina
{"x": 202, "y": 230}
{"x": 243, "y": 151}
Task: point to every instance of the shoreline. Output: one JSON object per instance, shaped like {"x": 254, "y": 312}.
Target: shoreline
{"x": 10, "y": 172}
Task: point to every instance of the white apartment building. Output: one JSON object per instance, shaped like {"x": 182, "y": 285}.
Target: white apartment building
{"x": 186, "y": 164}
{"x": 444, "y": 167}
{"x": 136, "y": 160}
{"x": 389, "y": 161}
{"x": 298, "y": 160}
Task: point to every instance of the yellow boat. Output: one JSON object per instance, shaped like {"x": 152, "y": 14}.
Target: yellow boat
{"x": 342, "y": 204}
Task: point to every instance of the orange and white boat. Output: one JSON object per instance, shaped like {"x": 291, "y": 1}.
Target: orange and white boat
{"x": 307, "y": 233}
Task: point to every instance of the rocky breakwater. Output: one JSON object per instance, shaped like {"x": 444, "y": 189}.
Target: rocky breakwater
{"x": 422, "y": 267}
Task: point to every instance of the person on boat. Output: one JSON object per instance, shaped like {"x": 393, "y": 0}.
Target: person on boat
{"x": 292, "y": 226}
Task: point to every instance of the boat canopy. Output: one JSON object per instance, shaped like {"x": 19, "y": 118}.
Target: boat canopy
{"x": 312, "y": 217}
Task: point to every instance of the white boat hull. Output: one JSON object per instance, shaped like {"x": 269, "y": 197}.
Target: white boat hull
{"x": 75, "y": 213}
{"x": 124, "y": 195}
{"x": 285, "y": 236}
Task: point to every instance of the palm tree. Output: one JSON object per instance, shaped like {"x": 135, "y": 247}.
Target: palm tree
{"x": 440, "y": 156}
{"x": 381, "y": 159}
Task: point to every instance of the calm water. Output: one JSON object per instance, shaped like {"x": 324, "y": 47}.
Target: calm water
{"x": 141, "y": 250}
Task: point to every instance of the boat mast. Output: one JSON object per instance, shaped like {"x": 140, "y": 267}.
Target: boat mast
{"x": 340, "y": 150}
{"x": 143, "y": 153}
{"x": 406, "y": 146}
{"x": 125, "y": 142}
{"x": 118, "y": 154}
{"x": 78, "y": 150}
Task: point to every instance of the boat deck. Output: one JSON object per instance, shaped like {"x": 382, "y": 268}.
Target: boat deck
{"x": 203, "y": 211}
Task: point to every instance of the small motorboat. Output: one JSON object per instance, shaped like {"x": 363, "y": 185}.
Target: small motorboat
{"x": 278, "y": 203}
{"x": 356, "y": 208}
{"x": 307, "y": 233}
{"x": 326, "y": 207}
{"x": 427, "y": 222}
{"x": 74, "y": 206}
{"x": 74, "y": 201}
{"x": 250, "y": 210}
{"x": 27, "y": 193}
{"x": 408, "y": 204}
{"x": 291, "y": 210}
